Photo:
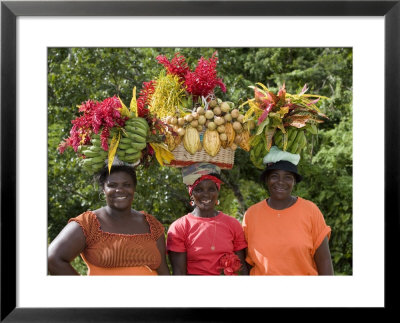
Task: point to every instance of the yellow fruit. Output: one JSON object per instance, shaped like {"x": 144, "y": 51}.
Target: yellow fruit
{"x": 191, "y": 140}
{"x": 171, "y": 141}
{"x": 237, "y": 126}
{"x": 225, "y": 107}
{"x": 211, "y": 142}
{"x": 235, "y": 113}
{"x": 243, "y": 140}
{"x": 230, "y": 134}
{"x": 211, "y": 125}
{"x": 209, "y": 114}
{"x": 212, "y": 103}
{"x": 202, "y": 119}
{"x": 200, "y": 110}
{"x": 217, "y": 110}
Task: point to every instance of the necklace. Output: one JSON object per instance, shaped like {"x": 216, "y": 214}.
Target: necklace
{"x": 215, "y": 233}
{"x": 292, "y": 201}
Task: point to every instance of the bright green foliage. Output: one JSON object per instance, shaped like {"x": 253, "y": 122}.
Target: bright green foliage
{"x": 78, "y": 74}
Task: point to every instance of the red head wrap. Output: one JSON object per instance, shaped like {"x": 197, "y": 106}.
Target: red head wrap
{"x": 216, "y": 180}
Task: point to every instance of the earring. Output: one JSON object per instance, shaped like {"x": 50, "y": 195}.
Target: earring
{"x": 217, "y": 203}
{"x": 191, "y": 202}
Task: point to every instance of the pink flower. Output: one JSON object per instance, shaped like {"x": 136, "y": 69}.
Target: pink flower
{"x": 229, "y": 264}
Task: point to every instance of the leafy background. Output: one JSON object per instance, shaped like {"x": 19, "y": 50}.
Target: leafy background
{"x": 78, "y": 74}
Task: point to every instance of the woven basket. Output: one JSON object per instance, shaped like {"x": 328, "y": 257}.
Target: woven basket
{"x": 224, "y": 159}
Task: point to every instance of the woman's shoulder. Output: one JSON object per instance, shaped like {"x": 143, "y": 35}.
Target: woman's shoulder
{"x": 85, "y": 218}
{"x": 155, "y": 225}
{"x": 307, "y": 203}
{"x": 89, "y": 224}
{"x": 256, "y": 206}
{"x": 309, "y": 207}
{"x": 181, "y": 222}
{"x": 228, "y": 218}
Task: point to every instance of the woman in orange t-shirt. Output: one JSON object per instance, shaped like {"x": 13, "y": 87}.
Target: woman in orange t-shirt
{"x": 115, "y": 239}
{"x": 286, "y": 235}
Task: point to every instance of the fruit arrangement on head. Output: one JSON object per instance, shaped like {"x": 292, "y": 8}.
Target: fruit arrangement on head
{"x": 176, "y": 119}
{"x": 108, "y": 133}
{"x": 282, "y": 120}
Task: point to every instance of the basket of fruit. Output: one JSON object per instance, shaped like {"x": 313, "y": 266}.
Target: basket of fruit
{"x": 198, "y": 126}
{"x": 210, "y": 134}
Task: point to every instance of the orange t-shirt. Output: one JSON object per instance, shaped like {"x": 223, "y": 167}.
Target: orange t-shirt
{"x": 120, "y": 254}
{"x": 283, "y": 242}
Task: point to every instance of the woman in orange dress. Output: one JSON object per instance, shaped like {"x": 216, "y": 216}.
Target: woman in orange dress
{"x": 115, "y": 239}
{"x": 286, "y": 234}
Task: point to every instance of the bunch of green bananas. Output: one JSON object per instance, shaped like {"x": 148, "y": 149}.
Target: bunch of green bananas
{"x": 95, "y": 155}
{"x": 258, "y": 151}
{"x": 296, "y": 140}
{"x": 133, "y": 140}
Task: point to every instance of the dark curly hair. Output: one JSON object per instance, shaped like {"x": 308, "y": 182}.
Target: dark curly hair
{"x": 102, "y": 175}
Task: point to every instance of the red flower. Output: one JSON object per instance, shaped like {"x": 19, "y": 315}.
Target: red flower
{"x": 204, "y": 79}
{"x": 145, "y": 97}
{"x": 229, "y": 264}
{"x": 177, "y": 65}
{"x": 97, "y": 116}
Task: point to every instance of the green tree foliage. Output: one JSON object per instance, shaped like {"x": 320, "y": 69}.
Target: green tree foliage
{"x": 78, "y": 74}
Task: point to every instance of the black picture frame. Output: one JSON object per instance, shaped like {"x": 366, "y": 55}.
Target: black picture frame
{"x": 10, "y": 10}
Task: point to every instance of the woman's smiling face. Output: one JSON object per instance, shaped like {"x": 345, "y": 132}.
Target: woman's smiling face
{"x": 205, "y": 195}
{"x": 119, "y": 190}
{"x": 280, "y": 184}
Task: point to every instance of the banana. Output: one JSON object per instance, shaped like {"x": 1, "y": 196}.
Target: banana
{"x": 96, "y": 167}
{"x": 98, "y": 159}
{"x": 121, "y": 153}
{"x": 123, "y": 146}
{"x": 88, "y": 161}
{"x": 136, "y": 130}
{"x": 96, "y": 142}
{"x": 125, "y": 140}
{"x": 258, "y": 150}
{"x": 256, "y": 160}
{"x": 130, "y": 151}
{"x": 255, "y": 141}
{"x": 302, "y": 142}
{"x": 299, "y": 150}
{"x": 292, "y": 133}
{"x": 132, "y": 158}
{"x": 297, "y": 142}
{"x": 138, "y": 122}
{"x": 89, "y": 153}
{"x": 294, "y": 147}
{"x": 278, "y": 138}
{"x": 138, "y": 145}
{"x": 137, "y": 138}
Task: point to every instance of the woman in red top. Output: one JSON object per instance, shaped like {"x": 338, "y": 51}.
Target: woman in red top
{"x": 197, "y": 241}
{"x": 115, "y": 239}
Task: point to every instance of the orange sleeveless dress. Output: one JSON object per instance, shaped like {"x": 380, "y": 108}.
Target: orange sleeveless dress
{"x": 120, "y": 254}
